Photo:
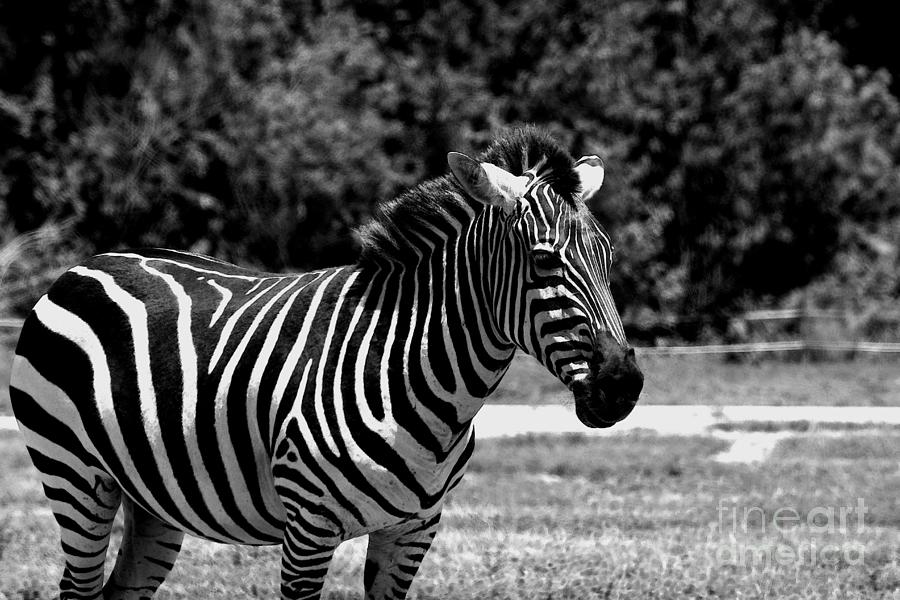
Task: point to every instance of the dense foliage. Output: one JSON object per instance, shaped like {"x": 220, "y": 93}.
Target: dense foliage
{"x": 751, "y": 160}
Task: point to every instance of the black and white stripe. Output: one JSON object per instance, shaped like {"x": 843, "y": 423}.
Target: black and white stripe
{"x": 302, "y": 409}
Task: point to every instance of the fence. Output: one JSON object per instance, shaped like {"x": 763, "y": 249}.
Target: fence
{"x": 737, "y": 348}
{"x": 780, "y": 330}
{"x": 781, "y": 346}
{"x": 10, "y": 323}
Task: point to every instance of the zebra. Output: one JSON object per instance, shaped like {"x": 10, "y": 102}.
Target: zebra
{"x": 303, "y": 410}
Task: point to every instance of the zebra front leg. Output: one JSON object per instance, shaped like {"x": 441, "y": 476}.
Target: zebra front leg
{"x": 394, "y": 556}
{"x": 147, "y": 554}
{"x": 306, "y": 552}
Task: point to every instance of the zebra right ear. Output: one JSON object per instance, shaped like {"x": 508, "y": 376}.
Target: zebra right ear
{"x": 590, "y": 171}
{"x": 487, "y": 183}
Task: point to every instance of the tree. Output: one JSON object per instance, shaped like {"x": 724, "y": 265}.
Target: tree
{"x": 736, "y": 135}
{"x": 736, "y": 155}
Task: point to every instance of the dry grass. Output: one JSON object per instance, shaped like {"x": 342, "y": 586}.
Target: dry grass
{"x": 858, "y": 446}
{"x": 628, "y": 516}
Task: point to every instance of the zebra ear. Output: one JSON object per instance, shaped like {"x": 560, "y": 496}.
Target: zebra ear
{"x": 487, "y": 183}
{"x": 590, "y": 171}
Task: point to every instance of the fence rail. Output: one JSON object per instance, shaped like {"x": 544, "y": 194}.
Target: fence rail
{"x": 746, "y": 348}
{"x": 11, "y": 323}
{"x": 784, "y": 346}
{"x": 766, "y": 314}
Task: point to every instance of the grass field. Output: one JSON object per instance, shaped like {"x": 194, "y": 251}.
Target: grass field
{"x": 629, "y": 516}
{"x": 688, "y": 380}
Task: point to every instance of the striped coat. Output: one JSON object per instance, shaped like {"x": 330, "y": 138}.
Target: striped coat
{"x": 307, "y": 409}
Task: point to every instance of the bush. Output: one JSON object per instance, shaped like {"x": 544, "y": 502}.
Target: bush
{"x": 746, "y": 159}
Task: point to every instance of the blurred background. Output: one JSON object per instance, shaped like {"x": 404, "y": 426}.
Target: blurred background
{"x": 752, "y": 146}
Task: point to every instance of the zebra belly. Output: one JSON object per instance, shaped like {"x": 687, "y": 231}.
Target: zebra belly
{"x": 208, "y": 532}
{"x": 219, "y": 510}
{"x": 349, "y": 492}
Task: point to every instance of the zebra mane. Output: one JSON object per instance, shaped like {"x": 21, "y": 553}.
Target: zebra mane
{"x": 434, "y": 202}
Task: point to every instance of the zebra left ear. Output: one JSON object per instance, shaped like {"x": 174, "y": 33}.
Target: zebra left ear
{"x": 487, "y": 183}
{"x": 590, "y": 171}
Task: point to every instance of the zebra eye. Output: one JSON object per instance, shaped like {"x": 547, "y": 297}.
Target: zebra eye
{"x": 546, "y": 260}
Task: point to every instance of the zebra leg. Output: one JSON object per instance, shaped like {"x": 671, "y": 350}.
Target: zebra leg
{"x": 84, "y": 501}
{"x": 304, "y": 560}
{"x": 147, "y": 554}
{"x": 394, "y": 556}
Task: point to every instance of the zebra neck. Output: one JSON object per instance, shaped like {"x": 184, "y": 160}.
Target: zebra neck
{"x": 443, "y": 328}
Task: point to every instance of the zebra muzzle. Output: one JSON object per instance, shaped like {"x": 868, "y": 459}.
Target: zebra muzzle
{"x": 611, "y": 389}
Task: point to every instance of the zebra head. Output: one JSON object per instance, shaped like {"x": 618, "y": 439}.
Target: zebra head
{"x": 552, "y": 293}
